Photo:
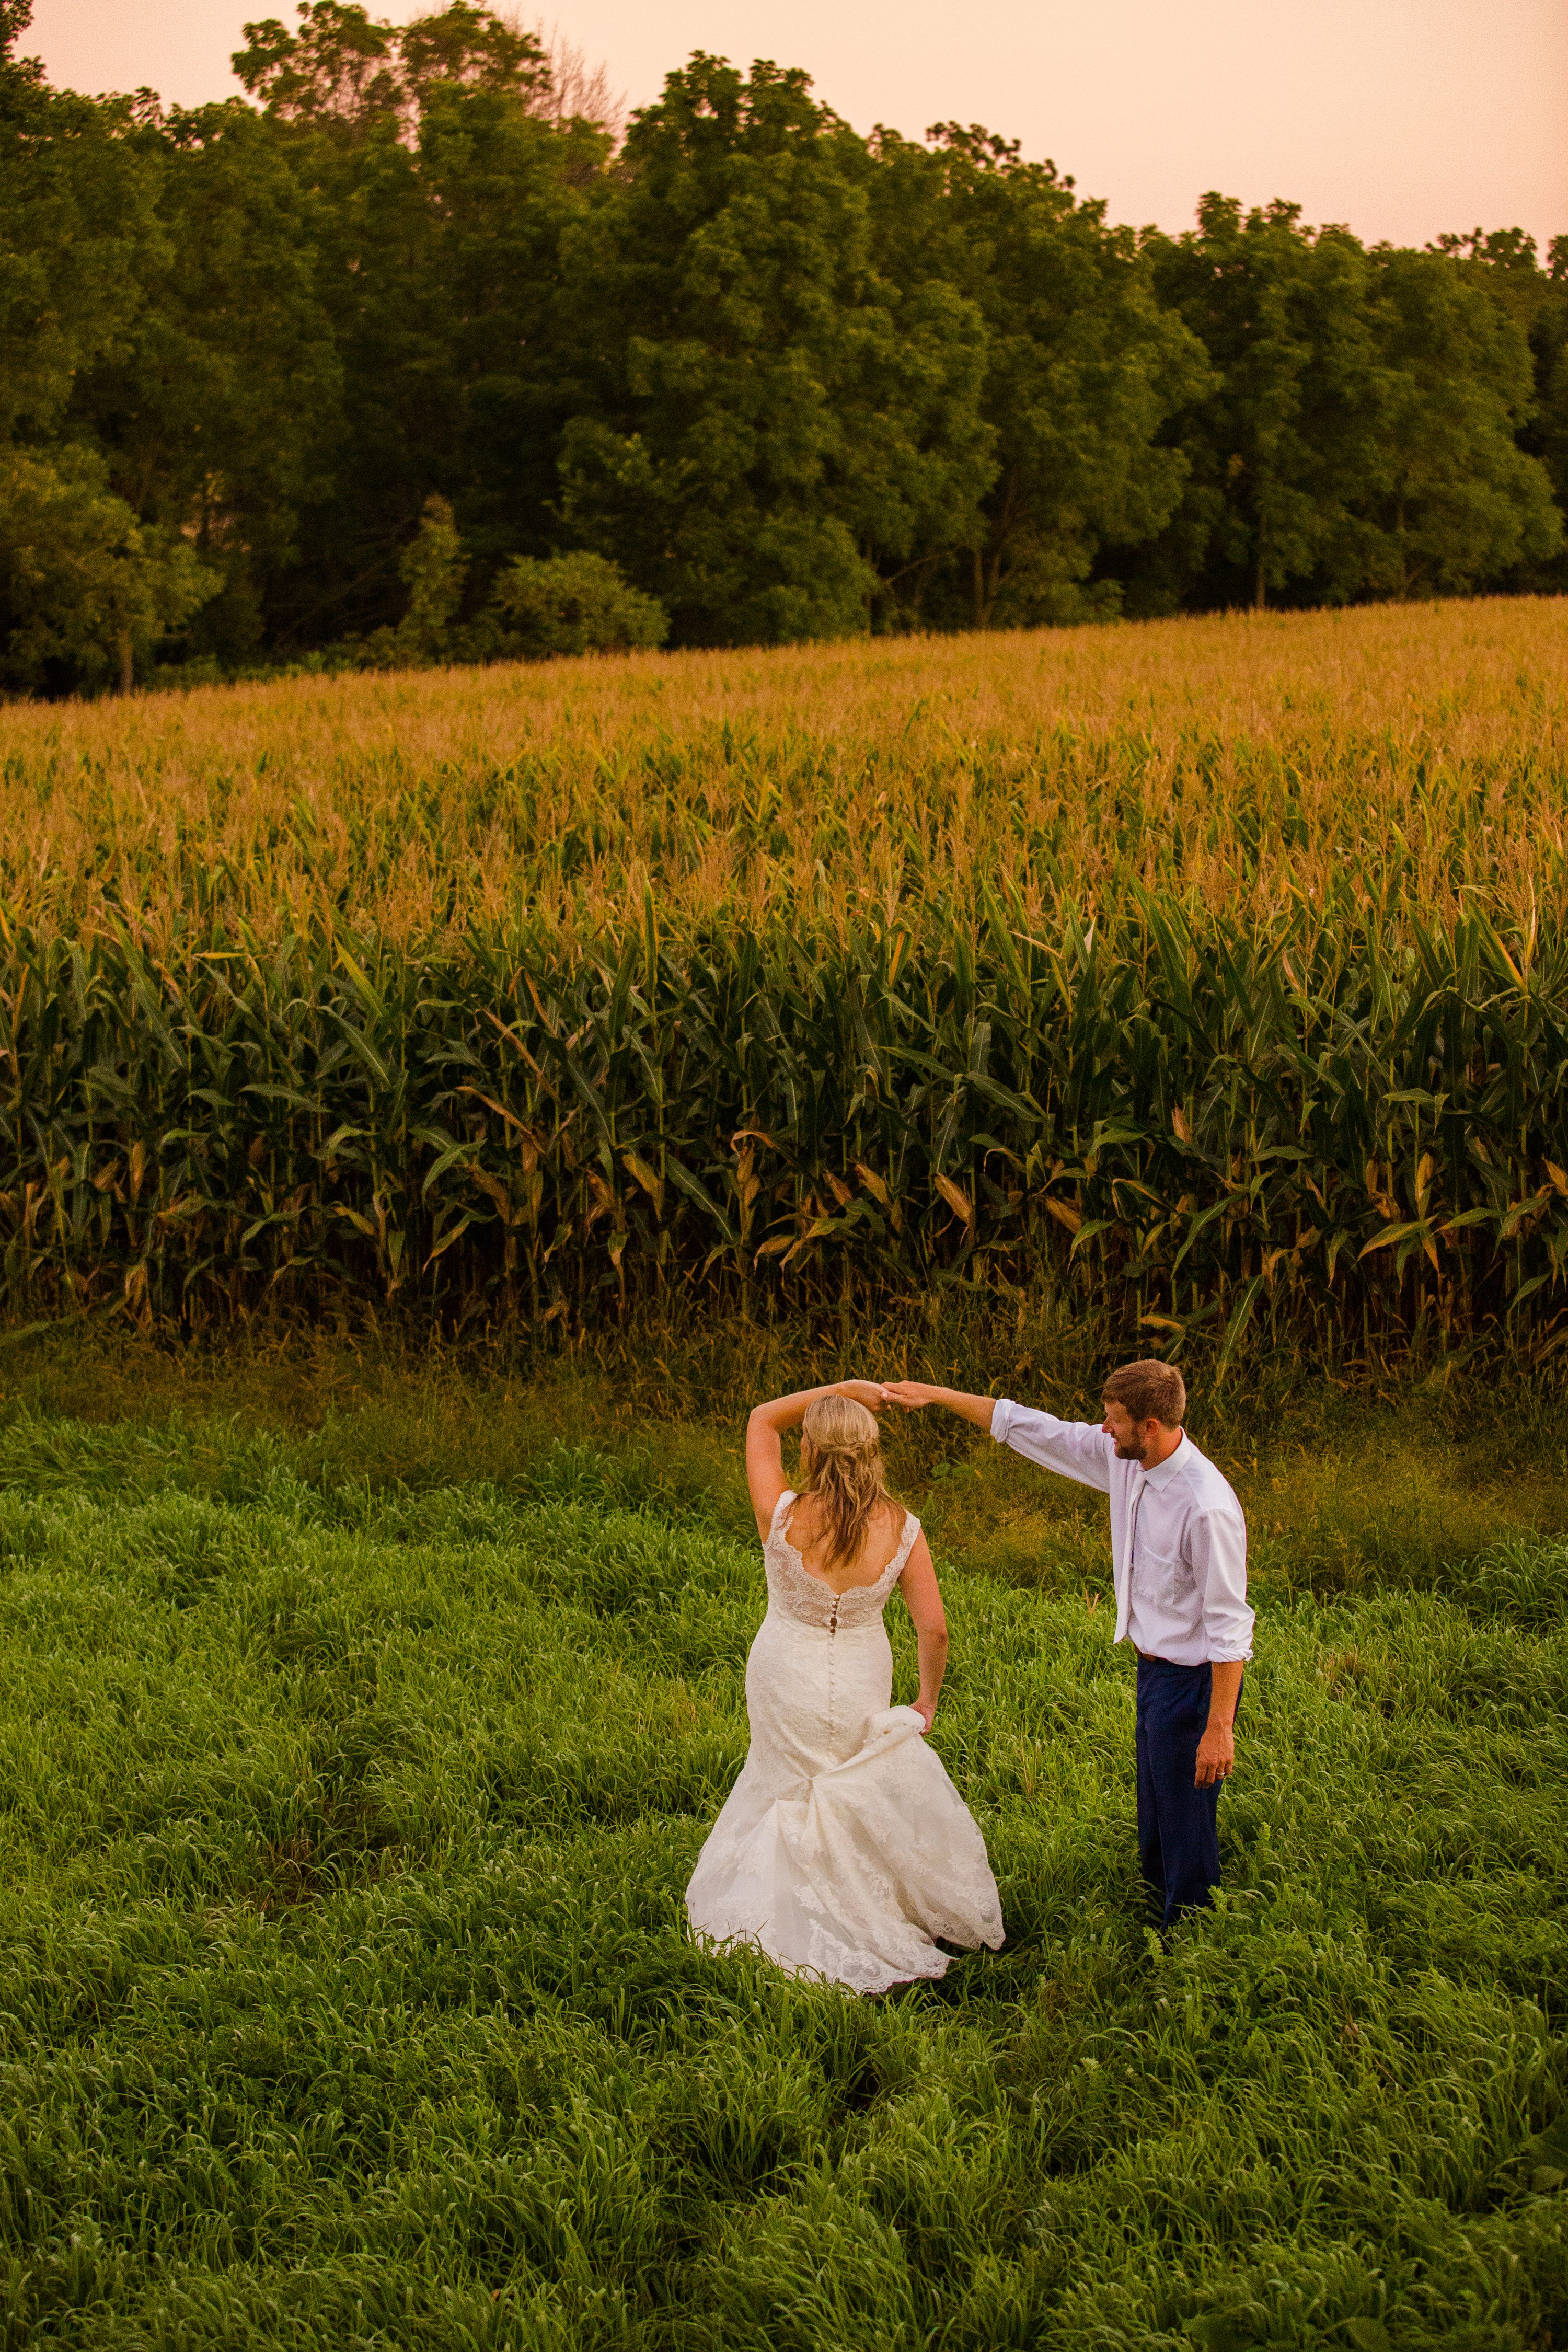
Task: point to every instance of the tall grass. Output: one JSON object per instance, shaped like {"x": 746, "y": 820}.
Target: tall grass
{"x": 1216, "y": 972}
{"x": 345, "y": 1999}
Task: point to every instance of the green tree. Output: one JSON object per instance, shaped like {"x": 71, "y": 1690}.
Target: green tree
{"x": 1284, "y": 440}
{"x": 219, "y": 404}
{"x": 1082, "y": 370}
{"x": 1535, "y": 299}
{"x": 1547, "y": 438}
{"x": 775, "y": 427}
{"x": 439, "y": 188}
{"x": 1361, "y": 434}
{"x": 349, "y": 72}
{"x": 537, "y": 608}
{"x": 433, "y": 568}
{"x": 338, "y": 72}
{"x": 78, "y": 222}
{"x": 85, "y": 591}
{"x": 574, "y": 604}
{"x": 1454, "y": 501}
{"x": 400, "y": 357}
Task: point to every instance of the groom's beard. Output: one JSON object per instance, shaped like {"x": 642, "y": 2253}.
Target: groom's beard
{"x": 1133, "y": 1452}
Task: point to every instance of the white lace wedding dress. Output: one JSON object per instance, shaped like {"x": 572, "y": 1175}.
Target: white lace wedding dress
{"x": 843, "y": 1848}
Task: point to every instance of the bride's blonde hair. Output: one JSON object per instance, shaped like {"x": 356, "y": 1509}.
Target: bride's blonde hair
{"x": 844, "y": 1472}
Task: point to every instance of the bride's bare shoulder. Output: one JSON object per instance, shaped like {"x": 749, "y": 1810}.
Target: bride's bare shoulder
{"x": 886, "y": 1532}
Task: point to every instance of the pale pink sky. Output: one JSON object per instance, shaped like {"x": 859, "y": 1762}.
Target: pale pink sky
{"x": 1403, "y": 118}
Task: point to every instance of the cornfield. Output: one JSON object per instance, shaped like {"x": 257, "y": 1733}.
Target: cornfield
{"x": 1215, "y": 971}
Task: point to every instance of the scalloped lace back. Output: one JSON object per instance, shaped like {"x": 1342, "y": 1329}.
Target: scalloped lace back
{"x": 793, "y": 1589}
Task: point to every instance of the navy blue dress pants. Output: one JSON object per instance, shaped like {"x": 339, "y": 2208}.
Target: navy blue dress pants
{"x": 1178, "y": 1824}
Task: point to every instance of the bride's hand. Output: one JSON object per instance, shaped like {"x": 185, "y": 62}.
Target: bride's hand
{"x": 871, "y": 1394}
{"x": 926, "y": 1714}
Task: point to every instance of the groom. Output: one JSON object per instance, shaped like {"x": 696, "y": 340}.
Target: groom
{"x": 1178, "y": 1548}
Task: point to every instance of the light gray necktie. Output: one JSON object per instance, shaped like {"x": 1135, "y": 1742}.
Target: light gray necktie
{"x": 1132, "y": 1534}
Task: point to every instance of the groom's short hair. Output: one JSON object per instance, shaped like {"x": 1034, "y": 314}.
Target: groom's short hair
{"x": 1150, "y": 1390}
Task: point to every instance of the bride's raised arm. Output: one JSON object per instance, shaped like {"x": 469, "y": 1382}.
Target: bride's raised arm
{"x": 764, "y": 1434}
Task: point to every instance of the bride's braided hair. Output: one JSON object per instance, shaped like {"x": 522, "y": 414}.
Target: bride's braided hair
{"x": 845, "y": 1472}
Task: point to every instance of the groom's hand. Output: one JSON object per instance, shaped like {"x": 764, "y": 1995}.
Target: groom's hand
{"x": 1216, "y": 1755}
{"x": 911, "y": 1393}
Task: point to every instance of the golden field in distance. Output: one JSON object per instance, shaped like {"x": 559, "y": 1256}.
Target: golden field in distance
{"x": 1386, "y": 759}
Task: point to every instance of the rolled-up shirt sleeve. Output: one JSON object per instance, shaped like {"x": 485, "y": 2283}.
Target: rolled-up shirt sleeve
{"x": 1216, "y": 1554}
{"x": 1077, "y": 1449}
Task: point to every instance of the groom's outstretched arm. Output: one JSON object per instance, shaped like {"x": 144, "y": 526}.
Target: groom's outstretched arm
{"x": 914, "y": 1394}
{"x": 1075, "y": 1449}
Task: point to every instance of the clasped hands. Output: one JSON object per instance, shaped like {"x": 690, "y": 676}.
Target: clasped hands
{"x": 874, "y": 1394}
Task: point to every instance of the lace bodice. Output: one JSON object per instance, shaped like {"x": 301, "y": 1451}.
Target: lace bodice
{"x": 795, "y": 1593}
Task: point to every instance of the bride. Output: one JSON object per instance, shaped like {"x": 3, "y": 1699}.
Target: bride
{"x": 843, "y": 1849}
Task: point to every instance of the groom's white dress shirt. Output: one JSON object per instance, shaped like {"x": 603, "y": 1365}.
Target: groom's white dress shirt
{"x": 1178, "y": 1539}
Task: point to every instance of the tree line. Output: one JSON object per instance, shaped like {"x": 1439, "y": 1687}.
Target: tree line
{"x": 407, "y": 356}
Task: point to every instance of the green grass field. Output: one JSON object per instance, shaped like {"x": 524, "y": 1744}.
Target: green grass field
{"x": 359, "y": 1731}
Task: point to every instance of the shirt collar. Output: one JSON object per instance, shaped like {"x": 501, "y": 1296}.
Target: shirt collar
{"x": 1163, "y": 1472}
